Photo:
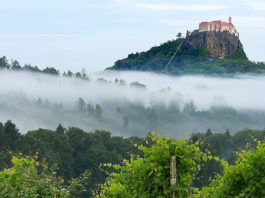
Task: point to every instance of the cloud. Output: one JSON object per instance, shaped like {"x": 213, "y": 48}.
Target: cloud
{"x": 180, "y": 7}
{"x": 249, "y": 21}
{"x": 120, "y": 1}
{"x": 257, "y": 5}
{"x": 173, "y": 7}
{"x": 178, "y": 22}
{"x": 43, "y": 35}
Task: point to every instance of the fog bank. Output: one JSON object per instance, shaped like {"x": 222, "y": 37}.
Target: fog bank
{"x": 20, "y": 93}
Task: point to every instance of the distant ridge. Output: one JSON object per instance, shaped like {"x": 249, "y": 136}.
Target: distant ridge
{"x": 214, "y": 48}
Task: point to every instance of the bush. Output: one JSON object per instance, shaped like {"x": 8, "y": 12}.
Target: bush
{"x": 244, "y": 179}
{"x": 29, "y": 178}
{"x": 150, "y": 176}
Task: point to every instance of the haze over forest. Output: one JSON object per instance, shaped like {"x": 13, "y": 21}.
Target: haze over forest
{"x": 133, "y": 103}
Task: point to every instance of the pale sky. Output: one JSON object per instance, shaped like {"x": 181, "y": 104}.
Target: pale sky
{"x": 93, "y": 34}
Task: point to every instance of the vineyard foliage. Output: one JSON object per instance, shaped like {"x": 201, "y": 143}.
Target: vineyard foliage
{"x": 29, "y": 178}
{"x": 246, "y": 178}
{"x": 150, "y": 176}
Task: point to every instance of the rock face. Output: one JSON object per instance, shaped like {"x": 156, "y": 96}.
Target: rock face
{"x": 218, "y": 44}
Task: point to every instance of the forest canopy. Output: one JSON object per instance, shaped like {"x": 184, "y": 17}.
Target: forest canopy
{"x": 78, "y": 154}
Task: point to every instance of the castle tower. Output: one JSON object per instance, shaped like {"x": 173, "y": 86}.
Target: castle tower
{"x": 230, "y": 20}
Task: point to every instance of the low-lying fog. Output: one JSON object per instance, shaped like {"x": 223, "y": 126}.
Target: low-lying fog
{"x": 171, "y": 105}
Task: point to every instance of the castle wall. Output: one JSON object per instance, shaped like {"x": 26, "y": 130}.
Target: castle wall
{"x": 204, "y": 28}
{"x": 218, "y": 28}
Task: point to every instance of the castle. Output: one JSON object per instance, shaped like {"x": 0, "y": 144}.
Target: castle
{"x": 218, "y": 26}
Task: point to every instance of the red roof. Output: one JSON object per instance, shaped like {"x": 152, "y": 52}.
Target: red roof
{"x": 220, "y": 23}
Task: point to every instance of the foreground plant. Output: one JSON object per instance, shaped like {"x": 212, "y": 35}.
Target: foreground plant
{"x": 150, "y": 176}
{"x": 29, "y": 178}
{"x": 244, "y": 179}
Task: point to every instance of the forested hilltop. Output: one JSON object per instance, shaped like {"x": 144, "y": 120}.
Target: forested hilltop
{"x": 14, "y": 65}
{"x": 212, "y": 53}
{"x": 86, "y": 156}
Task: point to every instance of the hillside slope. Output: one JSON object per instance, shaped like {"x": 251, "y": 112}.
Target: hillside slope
{"x": 199, "y": 53}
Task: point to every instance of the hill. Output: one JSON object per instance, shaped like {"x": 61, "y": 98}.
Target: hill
{"x": 207, "y": 52}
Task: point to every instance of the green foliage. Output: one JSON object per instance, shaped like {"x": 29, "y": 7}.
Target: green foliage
{"x": 50, "y": 70}
{"x": 28, "y": 67}
{"x": 79, "y": 187}
{"x": 225, "y": 146}
{"x": 137, "y": 85}
{"x": 4, "y": 63}
{"x": 145, "y": 169}
{"x": 5, "y": 159}
{"x": 15, "y": 65}
{"x": 244, "y": 179}
{"x": 29, "y": 178}
{"x": 152, "y": 60}
{"x": 60, "y": 129}
{"x": 81, "y": 105}
{"x": 98, "y": 111}
{"x": 11, "y": 133}
{"x": 149, "y": 176}
{"x": 53, "y": 146}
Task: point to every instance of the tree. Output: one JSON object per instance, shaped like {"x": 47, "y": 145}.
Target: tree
{"x": 4, "y": 63}
{"x": 81, "y": 105}
{"x": 52, "y": 146}
{"x": 15, "y": 65}
{"x": 78, "y": 75}
{"x": 227, "y": 133}
{"x": 189, "y": 107}
{"x": 137, "y": 85}
{"x": 50, "y": 70}
{"x": 179, "y": 35}
{"x": 208, "y": 133}
{"x": 90, "y": 109}
{"x": 102, "y": 80}
{"x": 29, "y": 67}
{"x": 79, "y": 187}
{"x": 12, "y": 133}
{"x": 3, "y": 138}
{"x": 187, "y": 33}
{"x": 152, "y": 118}
{"x": 68, "y": 74}
{"x": 60, "y": 129}
{"x": 126, "y": 122}
{"x": 84, "y": 75}
{"x": 98, "y": 111}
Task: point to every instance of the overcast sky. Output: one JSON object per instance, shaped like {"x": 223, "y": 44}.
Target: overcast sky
{"x": 72, "y": 34}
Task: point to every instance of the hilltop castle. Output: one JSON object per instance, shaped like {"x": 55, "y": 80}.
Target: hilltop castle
{"x": 218, "y": 26}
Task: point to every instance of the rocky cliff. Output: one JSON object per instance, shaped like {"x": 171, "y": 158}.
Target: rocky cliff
{"x": 218, "y": 44}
